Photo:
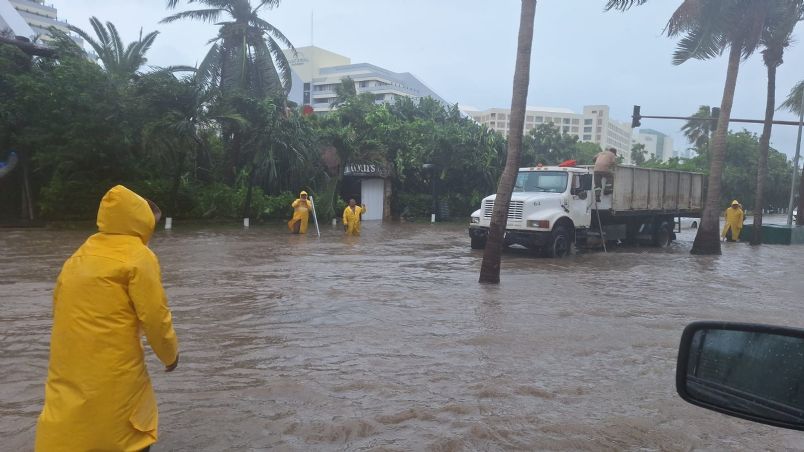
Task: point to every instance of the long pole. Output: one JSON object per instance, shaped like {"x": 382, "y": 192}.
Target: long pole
{"x": 315, "y": 217}
{"x": 795, "y": 164}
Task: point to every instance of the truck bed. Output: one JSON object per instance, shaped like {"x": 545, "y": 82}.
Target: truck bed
{"x": 646, "y": 190}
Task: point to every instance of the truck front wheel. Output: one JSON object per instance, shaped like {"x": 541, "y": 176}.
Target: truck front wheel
{"x": 478, "y": 243}
{"x": 561, "y": 243}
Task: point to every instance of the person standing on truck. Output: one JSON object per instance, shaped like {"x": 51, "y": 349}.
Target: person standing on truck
{"x": 604, "y": 166}
{"x": 98, "y": 394}
{"x": 301, "y": 214}
{"x": 352, "y": 215}
{"x": 734, "y": 222}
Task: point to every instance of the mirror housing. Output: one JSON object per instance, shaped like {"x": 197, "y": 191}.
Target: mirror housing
{"x": 586, "y": 181}
{"x": 750, "y": 371}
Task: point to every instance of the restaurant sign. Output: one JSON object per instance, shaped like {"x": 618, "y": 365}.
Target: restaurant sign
{"x": 366, "y": 170}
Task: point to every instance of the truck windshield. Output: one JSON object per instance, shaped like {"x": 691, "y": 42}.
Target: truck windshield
{"x": 546, "y": 181}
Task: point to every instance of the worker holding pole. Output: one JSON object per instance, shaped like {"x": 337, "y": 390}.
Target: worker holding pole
{"x": 301, "y": 214}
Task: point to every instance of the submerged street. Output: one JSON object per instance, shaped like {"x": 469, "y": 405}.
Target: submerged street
{"x": 387, "y": 342}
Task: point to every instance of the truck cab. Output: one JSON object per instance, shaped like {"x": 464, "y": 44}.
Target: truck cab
{"x": 549, "y": 206}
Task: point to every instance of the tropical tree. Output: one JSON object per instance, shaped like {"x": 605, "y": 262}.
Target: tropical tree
{"x": 698, "y": 129}
{"x": 245, "y": 60}
{"x": 490, "y": 267}
{"x": 706, "y": 28}
{"x": 638, "y": 154}
{"x": 777, "y": 36}
{"x": 119, "y": 61}
{"x": 795, "y": 103}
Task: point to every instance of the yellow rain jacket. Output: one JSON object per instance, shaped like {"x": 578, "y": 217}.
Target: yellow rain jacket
{"x": 98, "y": 394}
{"x": 301, "y": 212}
{"x": 351, "y": 219}
{"x": 734, "y": 221}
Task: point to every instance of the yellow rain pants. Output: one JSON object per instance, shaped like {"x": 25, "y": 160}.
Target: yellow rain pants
{"x": 301, "y": 213}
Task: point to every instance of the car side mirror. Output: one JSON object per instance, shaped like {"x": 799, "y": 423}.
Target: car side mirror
{"x": 750, "y": 371}
{"x": 586, "y": 181}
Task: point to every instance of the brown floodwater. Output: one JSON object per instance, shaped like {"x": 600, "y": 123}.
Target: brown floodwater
{"x": 387, "y": 342}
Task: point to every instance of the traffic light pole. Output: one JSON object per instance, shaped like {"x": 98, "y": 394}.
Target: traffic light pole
{"x": 795, "y": 166}
{"x": 751, "y": 121}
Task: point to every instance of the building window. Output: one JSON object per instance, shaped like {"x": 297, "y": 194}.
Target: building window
{"x": 574, "y": 130}
{"x": 494, "y": 116}
{"x": 587, "y": 137}
{"x": 587, "y": 122}
{"x": 363, "y": 83}
{"x": 575, "y": 122}
{"x": 493, "y": 124}
{"x": 565, "y": 129}
{"x": 566, "y": 120}
{"x": 539, "y": 120}
{"x": 530, "y": 118}
{"x": 587, "y": 130}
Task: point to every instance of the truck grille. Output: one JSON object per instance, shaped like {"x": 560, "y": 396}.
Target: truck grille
{"x": 514, "y": 209}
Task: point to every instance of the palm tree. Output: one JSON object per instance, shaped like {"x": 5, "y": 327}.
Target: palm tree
{"x": 245, "y": 60}
{"x": 245, "y": 55}
{"x": 795, "y": 103}
{"x": 490, "y": 267}
{"x": 119, "y": 61}
{"x": 706, "y": 28}
{"x": 776, "y": 37}
{"x": 189, "y": 108}
{"x": 699, "y": 129}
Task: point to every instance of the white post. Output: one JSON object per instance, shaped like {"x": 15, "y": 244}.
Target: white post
{"x": 168, "y": 223}
{"x": 432, "y": 218}
{"x": 334, "y": 222}
{"x": 315, "y": 217}
{"x": 245, "y": 222}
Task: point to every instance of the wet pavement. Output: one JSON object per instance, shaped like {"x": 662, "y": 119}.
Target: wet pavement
{"x": 387, "y": 342}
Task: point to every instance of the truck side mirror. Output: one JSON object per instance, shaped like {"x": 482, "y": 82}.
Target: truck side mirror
{"x": 744, "y": 370}
{"x": 586, "y": 181}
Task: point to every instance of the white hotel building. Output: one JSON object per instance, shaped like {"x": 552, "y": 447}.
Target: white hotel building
{"x": 37, "y": 16}
{"x": 593, "y": 125}
{"x": 317, "y": 72}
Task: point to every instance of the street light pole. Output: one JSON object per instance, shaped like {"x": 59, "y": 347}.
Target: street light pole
{"x": 795, "y": 164}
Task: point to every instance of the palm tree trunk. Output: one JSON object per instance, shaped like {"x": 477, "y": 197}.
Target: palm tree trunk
{"x": 762, "y": 164}
{"x": 490, "y": 268}
{"x": 707, "y": 240}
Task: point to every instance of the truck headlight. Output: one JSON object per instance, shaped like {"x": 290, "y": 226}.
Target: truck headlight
{"x": 541, "y": 224}
{"x": 475, "y": 220}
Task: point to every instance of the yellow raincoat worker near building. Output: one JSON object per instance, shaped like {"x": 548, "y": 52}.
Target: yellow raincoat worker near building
{"x": 98, "y": 394}
{"x": 734, "y": 222}
{"x": 352, "y": 215}
{"x": 301, "y": 214}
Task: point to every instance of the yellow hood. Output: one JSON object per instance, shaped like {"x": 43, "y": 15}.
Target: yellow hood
{"x": 124, "y": 212}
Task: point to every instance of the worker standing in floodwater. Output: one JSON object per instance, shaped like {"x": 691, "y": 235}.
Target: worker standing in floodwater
{"x": 734, "y": 222}
{"x": 301, "y": 214}
{"x": 98, "y": 394}
{"x": 352, "y": 215}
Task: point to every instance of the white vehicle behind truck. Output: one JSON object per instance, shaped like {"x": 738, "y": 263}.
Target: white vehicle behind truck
{"x": 554, "y": 208}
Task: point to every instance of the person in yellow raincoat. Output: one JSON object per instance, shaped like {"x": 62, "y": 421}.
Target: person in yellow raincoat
{"x": 734, "y": 222}
{"x": 352, "y": 215}
{"x": 301, "y": 214}
{"x": 98, "y": 395}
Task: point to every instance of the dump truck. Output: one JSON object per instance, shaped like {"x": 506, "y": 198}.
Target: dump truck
{"x": 554, "y": 209}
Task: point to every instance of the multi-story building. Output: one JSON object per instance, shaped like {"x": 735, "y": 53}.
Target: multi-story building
{"x": 317, "y": 72}
{"x": 38, "y": 16}
{"x": 657, "y": 144}
{"x": 593, "y": 125}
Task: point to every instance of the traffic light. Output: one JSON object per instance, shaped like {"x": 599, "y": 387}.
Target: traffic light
{"x": 715, "y": 113}
{"x": 635, "y": 118}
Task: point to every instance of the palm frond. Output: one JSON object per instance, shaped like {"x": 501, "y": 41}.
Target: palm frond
{"x": 280, "y": 62}
{"x": 117, "y": 43}
{"x": 623, "y": 5}
{"x": 275, "y": 33}
{"x": 793, "y": 100}
{"x": 96, "y": 46}
{"x": 205, "y": 15}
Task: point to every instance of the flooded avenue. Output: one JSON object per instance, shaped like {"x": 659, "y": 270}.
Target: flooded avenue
{"x": 387, "y": 342}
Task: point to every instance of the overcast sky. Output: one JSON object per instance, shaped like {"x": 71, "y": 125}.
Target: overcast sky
{"x": 465, "y": 50}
